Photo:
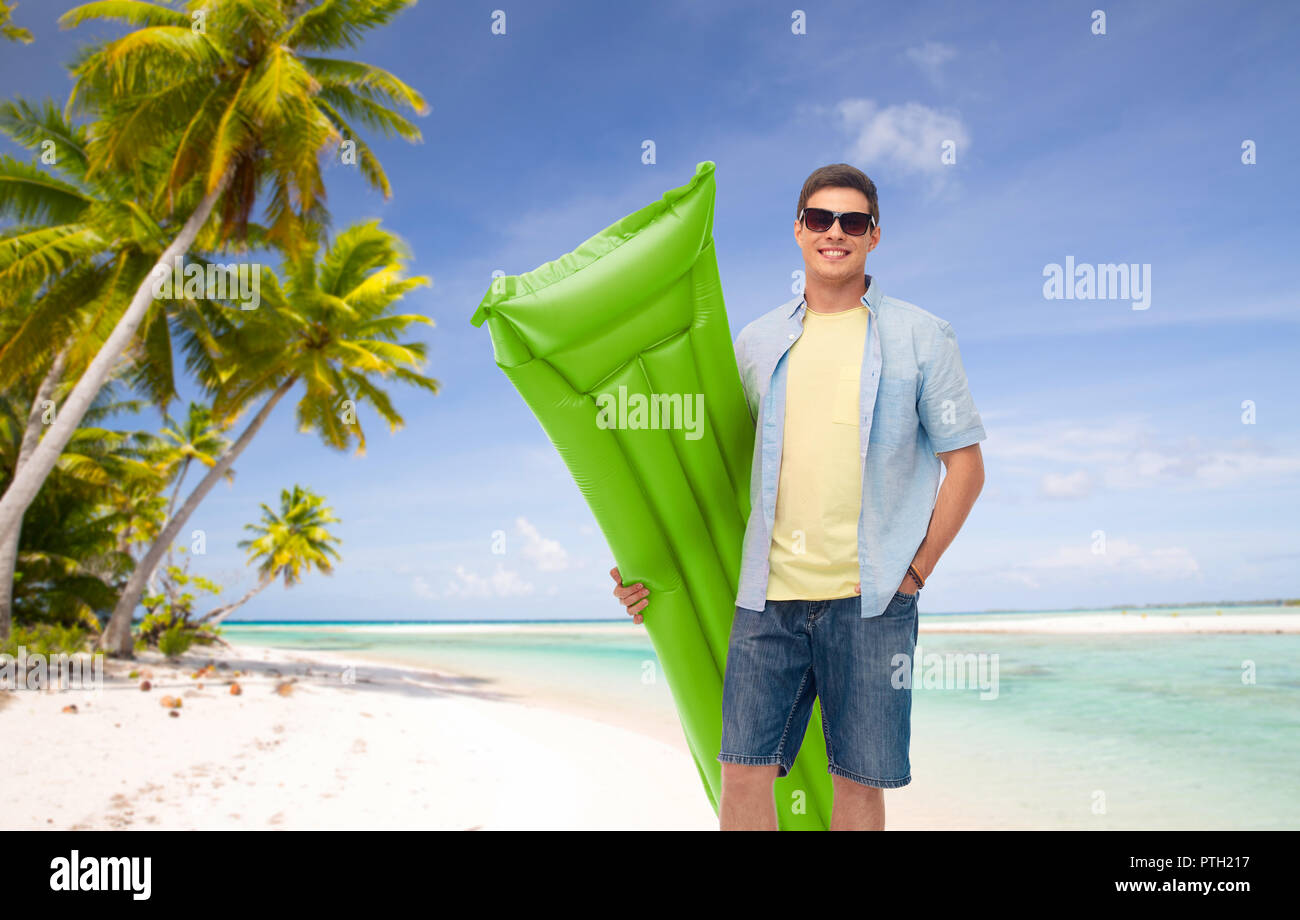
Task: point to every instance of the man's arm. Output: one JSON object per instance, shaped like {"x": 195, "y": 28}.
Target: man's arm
{"x": 961, "y": 486}
{"x": 948, "y": 414}
{"x": 739, "y": 346}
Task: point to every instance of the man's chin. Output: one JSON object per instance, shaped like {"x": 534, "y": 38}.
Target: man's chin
{"x": 835, "y": 271}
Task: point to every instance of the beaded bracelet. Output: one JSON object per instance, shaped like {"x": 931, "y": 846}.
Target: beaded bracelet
{"x": 911, "y": 570}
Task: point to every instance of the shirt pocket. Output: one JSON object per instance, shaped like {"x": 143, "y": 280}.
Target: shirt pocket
{"x": 847, "y": 389}
{"x": 894, "y": 422}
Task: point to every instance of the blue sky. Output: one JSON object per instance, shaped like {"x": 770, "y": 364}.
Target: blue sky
{"x": 1122, "y": 147}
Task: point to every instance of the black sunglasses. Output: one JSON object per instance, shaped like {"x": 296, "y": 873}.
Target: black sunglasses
{"x": 819, "y": 220}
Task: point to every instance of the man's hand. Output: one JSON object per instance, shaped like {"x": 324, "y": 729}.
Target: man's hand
{"x": 633, "y": 596}
{"x": 907, "y": 587}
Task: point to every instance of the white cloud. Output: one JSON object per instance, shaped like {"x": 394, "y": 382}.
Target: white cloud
{"x": 1020, "y": 579}
{"x": 1171, "y": 563}
{"x": 501, "y": 583}
{"x": 1125, "y": 454}
{"x": 547, "y": 554}
{"x": 1074, "y": 565}
{"x": 1065, "y": 485}
{"x": 930, "y": 58}
{"x": 909, "y": 137}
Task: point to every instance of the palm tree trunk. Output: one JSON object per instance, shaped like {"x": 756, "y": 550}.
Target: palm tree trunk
{"x": 31, "y": 436}
{"x": 171, "y": 506}
{"x": 176, "y": 492}
{"x": 117, "y": 637}
{"x": 217, "y": 614}
{"x": 27, "y": 481}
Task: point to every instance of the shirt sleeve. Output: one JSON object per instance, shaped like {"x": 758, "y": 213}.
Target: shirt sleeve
{"x": 744, "y": 377}
{"x": 946, "y": 407}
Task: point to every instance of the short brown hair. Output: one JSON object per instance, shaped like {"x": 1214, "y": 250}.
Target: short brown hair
{"x": 839, "y": 175}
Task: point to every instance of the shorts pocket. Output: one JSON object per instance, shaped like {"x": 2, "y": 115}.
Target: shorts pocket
{"x": 847, "y": 389}
{"x": 902, "y": 603}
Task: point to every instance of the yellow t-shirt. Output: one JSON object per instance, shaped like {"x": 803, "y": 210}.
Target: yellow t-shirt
{"x": 814, "y": 554}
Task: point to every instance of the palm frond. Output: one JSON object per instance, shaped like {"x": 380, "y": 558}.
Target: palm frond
{"x": 340, "y": 23}
{"x": 279, "y": 86}
{"x": 31, "y": 126}
{"x": 139, "y": 63}
{"x": 358, "y": 251}
{"x": 31, "y": 195}
{"x": 417, "y": 380}
{"x": 130, "y": 131}
{"x": 132, "y": 12}
{"x": 378, "y": 399}
{"x": 27, "y": 346}
{"x": 371, "y": 169}
{"x": 375, "y": 83}
{"x": 153, "y": 372}
{"x": 30, "y": 256}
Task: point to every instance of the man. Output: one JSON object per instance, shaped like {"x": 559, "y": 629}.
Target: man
{"x": 858, "y": 399}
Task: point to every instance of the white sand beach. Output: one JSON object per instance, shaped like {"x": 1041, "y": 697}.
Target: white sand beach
{"x": 396, "y": 749}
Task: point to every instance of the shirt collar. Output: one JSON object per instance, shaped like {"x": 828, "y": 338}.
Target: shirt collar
{"x": 870, "y": 300}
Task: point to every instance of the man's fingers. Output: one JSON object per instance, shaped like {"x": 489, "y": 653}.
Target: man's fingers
{"x": 631, "y": 592}
{"x": 622, "y": 592}
{"x": 634, "y": 596}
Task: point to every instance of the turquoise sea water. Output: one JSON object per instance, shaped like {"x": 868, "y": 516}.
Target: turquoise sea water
{"x": 1101, "y": 731}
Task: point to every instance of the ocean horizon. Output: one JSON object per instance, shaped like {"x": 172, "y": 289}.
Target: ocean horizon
{"x": 1230, "y": 608}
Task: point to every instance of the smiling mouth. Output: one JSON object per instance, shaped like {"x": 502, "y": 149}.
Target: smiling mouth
{"x": 834, "y": 255}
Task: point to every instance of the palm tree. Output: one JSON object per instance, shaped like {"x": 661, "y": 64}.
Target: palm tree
{"x": 198, "y": 438}
{"x": 17, "y": 441}
{"x": 288, "y": 544}
{"x": 222, "y": 112}
{"x": 74, "y": 554}
{"x": 10, "y": 31}
{"x": 329, "y": 328}
{"x": 78, "y": 247}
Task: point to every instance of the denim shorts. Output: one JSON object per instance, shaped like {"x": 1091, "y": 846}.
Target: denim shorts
{"x": 780, "y": 659}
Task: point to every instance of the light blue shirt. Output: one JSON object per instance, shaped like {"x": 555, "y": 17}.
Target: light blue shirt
{"x": 914, "y": 404}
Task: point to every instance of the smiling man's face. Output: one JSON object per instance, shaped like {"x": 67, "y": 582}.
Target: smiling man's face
{"x": 833, "y": 256}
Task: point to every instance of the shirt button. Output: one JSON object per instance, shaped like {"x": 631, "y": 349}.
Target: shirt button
{"x": 792, "y": 335}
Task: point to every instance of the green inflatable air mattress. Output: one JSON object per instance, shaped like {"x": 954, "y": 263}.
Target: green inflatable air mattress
{"x": 622, "y": 350}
